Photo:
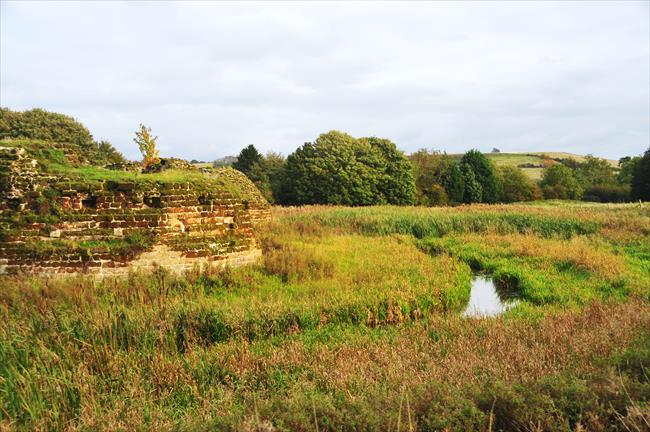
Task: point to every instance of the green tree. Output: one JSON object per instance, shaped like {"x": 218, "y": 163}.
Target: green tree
{"x": 473, "y": 189}
{"x": 627, "y": 166}
{"x": 454, "y": 184}
{"x": 641, "y": 178}
{"x": 559, "y": 182}
{"x": 432, "y": 170}
{"x": 515, "y": 185}
{"x": 485, "y": 175}
{"x": 594, "y": 171}
{"x": 339, "y": 169}
{"x": 268, "y": 175}
{"x": 248, "y": 157}
{"x": 395, "y": 183}
{"x": 274, "y": 164}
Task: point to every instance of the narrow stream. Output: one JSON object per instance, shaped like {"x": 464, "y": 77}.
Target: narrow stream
{"x": 485, "y": 299}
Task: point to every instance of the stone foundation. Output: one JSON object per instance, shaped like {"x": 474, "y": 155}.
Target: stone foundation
{"x": 54, "y": 224}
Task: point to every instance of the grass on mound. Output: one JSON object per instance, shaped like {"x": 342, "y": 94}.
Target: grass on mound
{"x": 53, "y": 160}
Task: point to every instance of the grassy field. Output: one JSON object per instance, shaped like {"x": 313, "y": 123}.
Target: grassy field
{"x": 351, "y": 322}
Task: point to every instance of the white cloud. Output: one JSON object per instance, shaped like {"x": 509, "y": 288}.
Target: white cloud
{"x": 210, "y": 78}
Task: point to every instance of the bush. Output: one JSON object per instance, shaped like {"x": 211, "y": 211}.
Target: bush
{"x": 433, "y": 171}
{"x": 515, "y": 185}
{"x": 607, "y": 193}
{"x": 42, "y": 125}
{"x": 435, "y": 195}
{"x": 559, "y": 182}
{"x": 38, "y": 124}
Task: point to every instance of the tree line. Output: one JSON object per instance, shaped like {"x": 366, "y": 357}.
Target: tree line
{"x": 339, "y": 169}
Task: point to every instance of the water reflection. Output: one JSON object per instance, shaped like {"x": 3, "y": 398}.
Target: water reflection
{"x": 486, "y": 299}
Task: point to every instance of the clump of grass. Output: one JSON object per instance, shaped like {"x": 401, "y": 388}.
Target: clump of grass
{"x": 294, "y": 264}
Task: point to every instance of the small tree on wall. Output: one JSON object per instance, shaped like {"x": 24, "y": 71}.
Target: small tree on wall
{"x": 147, "y": 145}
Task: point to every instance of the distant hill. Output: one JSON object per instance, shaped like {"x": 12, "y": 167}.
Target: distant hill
{"x": 225, "y": 161}
{"x": 532, "y": 163}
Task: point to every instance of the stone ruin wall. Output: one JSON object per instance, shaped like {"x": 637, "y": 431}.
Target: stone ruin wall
{"x": 188, "y": 227}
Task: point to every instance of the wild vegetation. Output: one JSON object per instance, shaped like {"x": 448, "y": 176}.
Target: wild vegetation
{"x": 351, "y": 321}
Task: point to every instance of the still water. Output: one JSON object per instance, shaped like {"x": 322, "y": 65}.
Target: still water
{"x": 486, "y": 300}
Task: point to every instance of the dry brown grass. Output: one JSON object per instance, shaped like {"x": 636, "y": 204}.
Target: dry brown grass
{"x": 462, "y": 351}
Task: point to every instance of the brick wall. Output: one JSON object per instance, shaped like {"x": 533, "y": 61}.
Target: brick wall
{"x": 95, "y": 225}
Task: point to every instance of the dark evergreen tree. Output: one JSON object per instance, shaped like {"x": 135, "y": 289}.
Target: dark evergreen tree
{"x": 485, "y": 175}
{"x": 248, "y": 157}
{"x": 454, "y": 184}
{"x": 641, "y": 178}
{"x": 473, "y": 190}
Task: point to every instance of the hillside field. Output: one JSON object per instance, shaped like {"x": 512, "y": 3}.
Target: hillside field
{"x": 532, "y": 158}
{"x": 351, "y": 321}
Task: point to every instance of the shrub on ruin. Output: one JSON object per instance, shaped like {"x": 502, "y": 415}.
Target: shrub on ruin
{"x": 147, "y": 145}
{"x": 38, "y": 124}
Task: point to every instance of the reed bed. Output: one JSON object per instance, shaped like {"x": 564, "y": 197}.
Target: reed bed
{"x": 350, "y": 322}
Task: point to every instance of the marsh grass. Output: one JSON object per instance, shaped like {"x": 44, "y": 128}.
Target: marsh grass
{"x": 349, "y": 323}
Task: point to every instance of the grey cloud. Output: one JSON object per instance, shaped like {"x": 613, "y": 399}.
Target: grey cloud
{"x": 213, "y": 77}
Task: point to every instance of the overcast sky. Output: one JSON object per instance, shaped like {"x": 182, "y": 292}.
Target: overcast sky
{"x": 210, "y": 78}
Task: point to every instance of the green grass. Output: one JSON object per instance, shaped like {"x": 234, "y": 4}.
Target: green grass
{"x": 350, "y": 322}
